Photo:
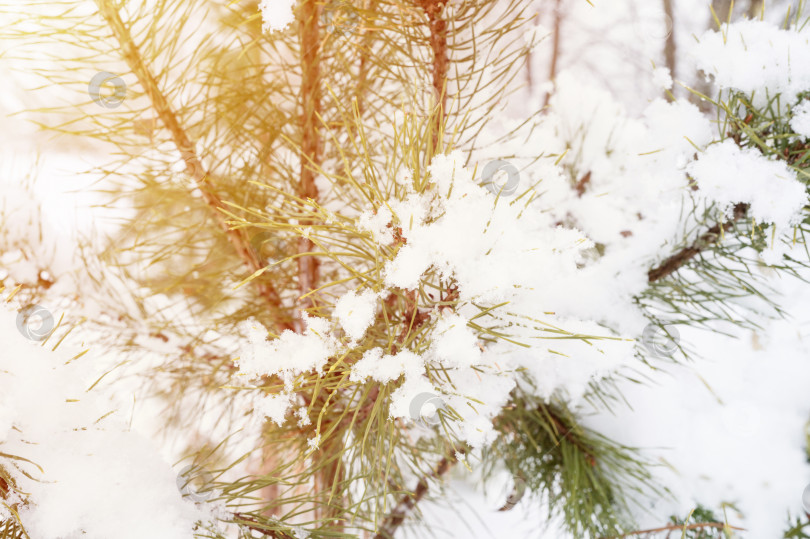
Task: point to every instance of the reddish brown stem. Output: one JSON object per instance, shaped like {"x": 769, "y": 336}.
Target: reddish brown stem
{"x": 441, "y": 62}
{"x": 310, "y": 100}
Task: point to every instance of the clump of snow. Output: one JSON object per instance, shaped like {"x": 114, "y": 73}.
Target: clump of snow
{"x": 289, "y": 354}
{"x": 673, "y": 131}
{"x": 483, "y": 396}
{"x": 801, "y": 119}
{"x": 746, "y": 403}
{"x": 492, "y": 251}
{"x": 727, "y": 174}
{"x": 757, "y": 56}
{"x": 404, "y": 395}
{"x": 377, "y": 223}
{"x": 276, "y": 14}
{"x": 387, "y": 368}
{"x": 356, "y": 312}
{"x": 275, "y": 407}
{"x": 454, "y": 343}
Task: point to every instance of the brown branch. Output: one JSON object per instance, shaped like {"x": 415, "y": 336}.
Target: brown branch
{"x": 711, "y": 237}
{"x": 406, "y": 504}
{"x": 441, "y": 62}
{"x": 308, "y": 265}
{"x": 310, "y": 99}
{"x": 194, "y": 168}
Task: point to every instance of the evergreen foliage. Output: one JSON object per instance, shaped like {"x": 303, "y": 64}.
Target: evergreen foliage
{"x": 246, "y": 158}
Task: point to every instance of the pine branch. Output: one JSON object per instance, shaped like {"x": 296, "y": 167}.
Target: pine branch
{"x": 194, "y": 168}
{"x": 705, "y": 241}
{"x": 438, "y": 44}
{"x": 564, "y": 432}
{"x": 408, "y": 502}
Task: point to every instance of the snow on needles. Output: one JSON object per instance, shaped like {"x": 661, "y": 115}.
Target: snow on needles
{"x": 757, "y": 57}
{"x": 494, "y": 252}
{"x": 536, "y": 253}
{"x": 728, "y": 174}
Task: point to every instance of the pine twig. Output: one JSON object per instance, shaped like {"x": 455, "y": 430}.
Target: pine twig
{"x": 565, "y": 431}
{"x": 711, "y": 237}
{"x": 237, "y": 237}
{"x": 408, "y": 502}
